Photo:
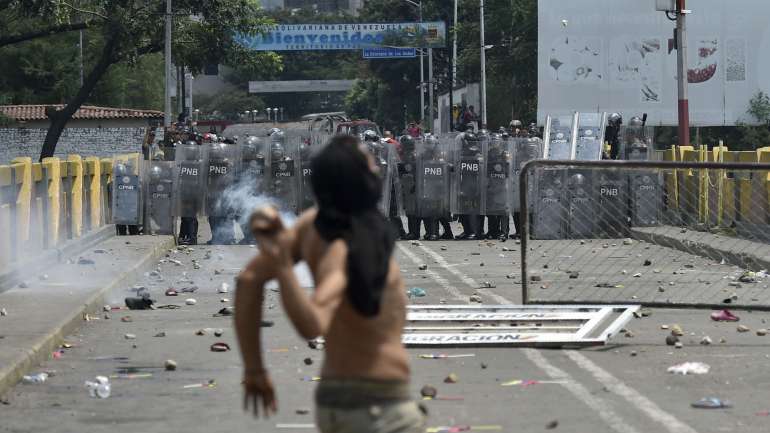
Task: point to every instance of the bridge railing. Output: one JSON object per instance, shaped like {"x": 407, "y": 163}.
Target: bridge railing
{"x": 689, "y": 231}
{"x": 43, "y": 205}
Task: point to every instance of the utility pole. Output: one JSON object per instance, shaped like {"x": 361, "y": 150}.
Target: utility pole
{"x": 167, "y": 118}
{"x": 681, "y": 57}
{"x": 483, "y": 69}
{"x": 80, "y": 45}
{"x": 430, "y": 90}
{"x": 422, "y": 77}
{"x": 454, "y": 72}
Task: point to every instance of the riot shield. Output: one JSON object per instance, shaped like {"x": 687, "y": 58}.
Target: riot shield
{"x": 127, "y": 190}
{"x": 433, "y": 178}
{"x": 387, "y": 161}
{"x": 560, "y": 135}
{"x": 497, "y": 179}
{"x": 582, "y": 205}
{"x": 550, "y": 211}
{"x": 636, "y": 142}
{"x": 590, "y": 136}
{"x": 190, "y": 180}
{"x": 284, "y": 181}
{"x": 525, "y": 149}
{"x": 611, "y": 187}
{"x": 160, "y": 198}
{"x": 255, "y": 156}
{"x": 407, "y": 174}
{"x": 222, "y": 174}
{"x": 307, "y": 199}
{"x": 469, "y": 171}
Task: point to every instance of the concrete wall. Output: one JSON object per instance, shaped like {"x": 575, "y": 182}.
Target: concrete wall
{"x": 101, "y": 142}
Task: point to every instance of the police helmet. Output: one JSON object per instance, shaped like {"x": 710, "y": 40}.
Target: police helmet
{"x": 370, "y": 135}
{"x": 615, "y": 119}
{"x": 635, "y": 122}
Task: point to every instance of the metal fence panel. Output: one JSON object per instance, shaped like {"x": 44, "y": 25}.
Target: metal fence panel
{"x": 667, "y": 234}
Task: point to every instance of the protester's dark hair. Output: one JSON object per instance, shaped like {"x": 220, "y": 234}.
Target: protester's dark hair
{"x": 347, "y": 192}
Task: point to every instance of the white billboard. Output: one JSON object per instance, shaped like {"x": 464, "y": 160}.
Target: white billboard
{"x": 617, "y": 56}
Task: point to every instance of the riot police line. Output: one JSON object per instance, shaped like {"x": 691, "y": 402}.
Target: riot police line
{"x": 213, "y": 177}
{"x": 470, "y": 177}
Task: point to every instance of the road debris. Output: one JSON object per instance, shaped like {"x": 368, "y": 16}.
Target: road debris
{"x": 308, "y": 361}
{"x": 416, "y": 292}
{"x": 170, "y": 365}
{"x": 220, "y": 347}
{"x": 143, "y": 303}
{"x": 85, "y": 261}
{"x": 451, "y": 378}
{"x": 99, "y": 387}
{"x": 743, "y": 328}
{"x": 35, "y": 379}
{"x": 224, "y": 288}
{"x": 446, "y": 356}
{"x": 689, "y": 368}
{"x": 711, "y": 403}
{"x": 210, "y": 384}
{"x": 428, "y": 391}
{"x": 724, "y": 316}
{"x": 552, "y": 425}
{"x": 190, "y": 301}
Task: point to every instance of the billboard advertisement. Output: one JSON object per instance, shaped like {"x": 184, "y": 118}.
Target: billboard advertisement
{"x": 618, "y": 56}
{"x": 354, "y": 36}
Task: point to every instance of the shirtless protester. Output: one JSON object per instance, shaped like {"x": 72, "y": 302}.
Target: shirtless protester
{"x": 358, "y": 304}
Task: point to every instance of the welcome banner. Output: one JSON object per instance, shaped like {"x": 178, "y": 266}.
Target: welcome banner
{"x": 295, "y": 37}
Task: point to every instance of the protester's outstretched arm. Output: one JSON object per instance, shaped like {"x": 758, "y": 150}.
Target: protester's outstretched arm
{"x": 248, "y": 319}
{"x": 312, "y": 315}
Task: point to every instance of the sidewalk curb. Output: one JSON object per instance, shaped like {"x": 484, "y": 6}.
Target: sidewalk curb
{"x": 42, "y": 349}
{"x": 743, "y": 258}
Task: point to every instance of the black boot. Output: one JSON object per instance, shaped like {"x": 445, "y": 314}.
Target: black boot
{"x": 413, "y": 225}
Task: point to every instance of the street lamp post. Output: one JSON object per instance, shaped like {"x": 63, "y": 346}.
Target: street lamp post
{"x": 483, "y": 69}
{"x": 422, "y": 67}
{"x": 275, "y": 114}
{"x": 681, "y": 57}
{"x": 167, "y": 63}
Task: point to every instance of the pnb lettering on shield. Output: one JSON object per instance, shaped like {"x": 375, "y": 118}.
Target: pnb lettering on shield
{"x": 218, "y": 169}
{"x": 189, "y": 171}
{"x": 434, "y": 171}
{"x": 467, "y": 166}
{"x": 609, "y": 191}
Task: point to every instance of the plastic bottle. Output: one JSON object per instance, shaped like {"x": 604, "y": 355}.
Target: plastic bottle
{"x": 35, "y": 378}
{"x": 100, "y": 388}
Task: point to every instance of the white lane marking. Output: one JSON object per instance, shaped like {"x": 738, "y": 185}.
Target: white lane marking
{"x": 443, "y": 282}
{"x": 580, "y": 392}
{"x": 632, "y": 396}
{"x": 652, "y": 410}
{"x": 470, "y": 282}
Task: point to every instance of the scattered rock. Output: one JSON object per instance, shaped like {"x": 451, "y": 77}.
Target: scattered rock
{"x": 170, "y": 365}
{"x": 85, "y": 261}
{"x": 573, "y": 275}
{"x": 190, "y": 301}
{"x": 671, "y": 340}
{"x": 316, "y": 344}
{"x": 677, "y": 330}
{"x": 308, "y": 361}
{"x": 633, "y": 353}
{"x": 761, "y": 332}
{"x": 648, "y": 262}
{"x": 3, "y": 312}
{"x": 743, "y": 328}
{"x": 218, "y": 332}
{"x": 629, "y": 334}
{"x": 130, "y": 337}
{"x": 706, "y": 341}
{"x": 443, "y": 248}
{"x": 224, "y": 288}
{"x": 302, "y": 411}
{"x": 428, "y": 391}
{"x": 200, "y": 332}
{"x": 160, "y": 334}
{"x": 267, "y": 324}
{"x": 678, "y": 345}
{"x": 535, "y": 278}
{"x": 628, "y": 241}
{"x": 451, "y": 378}
{"x": 416, "y": 243}
{"x": 489, "y": 285}
{"x": 664, "y": 326}
{"x": 126, "y": 319}
{"x": 475, "y": 299}
{"x": 422, "y": 267}
{"x": 483, "y": 366}
{"x": 552, "y": 425}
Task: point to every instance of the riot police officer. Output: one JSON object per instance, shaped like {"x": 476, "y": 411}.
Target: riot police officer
{"x": 190, "y": 181}
{"x": 252, "y": 182}
{"x": 497, "y": 193}
{"x": 612, "y": 131}
{"x": 467, "y": 184}
{"x": 433, "y": 168}
{"x": 126, "y": 196}
{"x": 406, "y": 174}
{"x": 283, "y": 176}
{"x": 221, "y": 176}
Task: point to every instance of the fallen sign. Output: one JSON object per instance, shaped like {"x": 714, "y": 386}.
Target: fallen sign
{"x": 514, "y": 325}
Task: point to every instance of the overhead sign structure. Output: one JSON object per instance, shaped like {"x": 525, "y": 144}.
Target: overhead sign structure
{"x": 351, "y": 36}
{"x": 299, "y": 86}
{"x": 593, "y": 61}
{"x": 389, "y": 53}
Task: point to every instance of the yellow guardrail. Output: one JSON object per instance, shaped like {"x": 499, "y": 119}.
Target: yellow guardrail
{"x": 44, "y": 204}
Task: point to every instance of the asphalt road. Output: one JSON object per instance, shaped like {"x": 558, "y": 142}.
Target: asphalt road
{"x": 622, "y": 387}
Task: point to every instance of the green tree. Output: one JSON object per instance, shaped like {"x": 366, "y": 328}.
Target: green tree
{"x": 127, "y": 30}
